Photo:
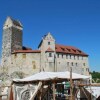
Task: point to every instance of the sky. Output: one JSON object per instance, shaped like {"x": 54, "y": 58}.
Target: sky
{"x": 71, "y": 22}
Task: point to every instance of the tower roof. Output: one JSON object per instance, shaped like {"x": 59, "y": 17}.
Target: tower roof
{"x": 12, "y": 22}
{"x": 16, "y": 22}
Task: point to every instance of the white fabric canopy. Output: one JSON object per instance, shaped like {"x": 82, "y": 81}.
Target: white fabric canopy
{"x": 95, "y": 91}
{"x": 50, "y": 76}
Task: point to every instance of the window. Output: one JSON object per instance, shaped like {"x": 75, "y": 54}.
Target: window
{"x": 58, "y": 55}
{"x": 48, "y": 43}
{"x": 87, "y": 69}
{"x": 33, "y": 63}
{"x": 24, "y": 55}
{"x": 76, "y": 64}
{"x": 15, "y": 55}
{"x": 67, "y": 63}
{"x": 77, "y": 57}
{"x": 74, "y": 56}
{"x": 66, "y": 56}
{"x": 50, "y": 54}
{"x": 62, "y": 55}
{"x": 70, "y": 56}
{"x": 84, "y": 64}
{"x": 72, "y": 63}
{"x": 34, "y": 66}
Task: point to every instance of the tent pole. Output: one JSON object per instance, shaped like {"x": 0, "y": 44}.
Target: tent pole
{"x": 85, "y": 94}
{"x": 54, "y": 91}
{"x": 35, "y": 92}
{"x": 0, "y": 93}
{"x": 40, "y": 96}
{"x": 71, "y": 85}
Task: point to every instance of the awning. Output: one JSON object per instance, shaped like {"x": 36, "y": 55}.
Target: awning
{"x": 95, "y": 91}
{"x": 44, "y": 76}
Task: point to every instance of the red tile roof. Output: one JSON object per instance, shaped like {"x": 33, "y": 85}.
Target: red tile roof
{"x": 27, "y": 51}
{"x": 69, "y": 50}
{"x": 49, "y": 50}
{"x": 58, "y": 49}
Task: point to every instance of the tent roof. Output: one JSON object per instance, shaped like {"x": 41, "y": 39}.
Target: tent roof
{"x": 47, "y": 76}
{"x": 95, "y": 91}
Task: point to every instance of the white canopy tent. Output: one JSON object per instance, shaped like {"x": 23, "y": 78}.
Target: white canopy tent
{"x": 42, "y": 79}
{"x": 44, "y": 76}
{"x": 95, "y": 91}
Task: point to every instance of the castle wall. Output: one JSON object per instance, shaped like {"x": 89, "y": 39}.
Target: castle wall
{"x": 6, "y": 45}
{"x": 28, "y": 63}
{"x": 79, "y": 64}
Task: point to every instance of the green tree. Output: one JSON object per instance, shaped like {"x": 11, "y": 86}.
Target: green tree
{"x": 96, "y": 76}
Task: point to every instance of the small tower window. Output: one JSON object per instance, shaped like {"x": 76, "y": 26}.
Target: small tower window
{"x": 48, "y": 43}
{"x": 50, "y": 54}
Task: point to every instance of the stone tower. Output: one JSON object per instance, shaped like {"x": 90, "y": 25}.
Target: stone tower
{"x": 11, "y": 40}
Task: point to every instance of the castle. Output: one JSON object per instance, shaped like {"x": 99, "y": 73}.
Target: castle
{"x": 48, "y": 57}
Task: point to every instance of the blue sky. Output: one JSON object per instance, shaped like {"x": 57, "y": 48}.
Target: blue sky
{"x": 71, "y": 22}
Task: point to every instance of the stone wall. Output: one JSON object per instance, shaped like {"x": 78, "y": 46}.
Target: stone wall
{"x": 28, "y": 63}
{"x": 6, "y": 45}
{"x": 78, "y": 63}
{"x": 16, "y": 39}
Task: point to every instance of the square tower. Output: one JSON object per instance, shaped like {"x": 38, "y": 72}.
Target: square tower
{"x": 11, "y": 39}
